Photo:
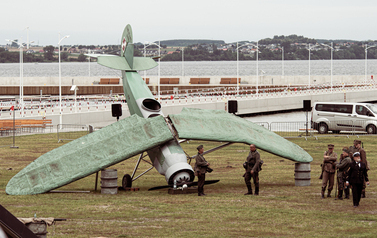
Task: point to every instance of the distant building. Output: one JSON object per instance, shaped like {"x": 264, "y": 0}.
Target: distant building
{"x": 72, "y": 50}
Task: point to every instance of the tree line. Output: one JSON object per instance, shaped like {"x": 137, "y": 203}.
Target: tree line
{"x": 47, "y": 56}
{"x": 295, "y": 48}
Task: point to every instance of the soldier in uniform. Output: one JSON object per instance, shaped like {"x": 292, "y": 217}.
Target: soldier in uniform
{"x": 363, "y": 156}
{"x": 342, "y": 167}
{"x": 328, "y": 168}
{"x": 201, "y": 166}
{"x": 252, "y": 169}
{"x": 356, "y": 176}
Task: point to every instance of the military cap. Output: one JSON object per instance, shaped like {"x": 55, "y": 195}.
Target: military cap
{"x": 330, "y": 146}
{"x": 345, "y": 149}
{"x": 199, "y": 147}
{"x": 356, "y": 154}
{"x": 357, "y": 141}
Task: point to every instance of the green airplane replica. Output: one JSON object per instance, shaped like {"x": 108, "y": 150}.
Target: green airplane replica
{"x": 146, "y": 130}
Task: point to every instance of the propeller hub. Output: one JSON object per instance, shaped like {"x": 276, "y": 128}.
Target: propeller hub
{"x": 182, "y": 177}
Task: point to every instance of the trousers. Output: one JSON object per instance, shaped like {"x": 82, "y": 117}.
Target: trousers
{"x": 328, "y": 178}
{"x": 356, "y": 193}
{"x": 255, "y": 177}
{"x": 201, "y": 181}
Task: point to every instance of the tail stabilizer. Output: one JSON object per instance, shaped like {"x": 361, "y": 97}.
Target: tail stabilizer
{"x": 126, "y": 61}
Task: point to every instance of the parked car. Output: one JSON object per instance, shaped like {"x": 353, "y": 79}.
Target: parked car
{"x": 340, "y": 116}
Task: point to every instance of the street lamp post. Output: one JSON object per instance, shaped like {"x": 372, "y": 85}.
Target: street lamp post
{"x": 257, "y": 68}
{"x": 146, "y": 44}
{"x": 282, "y": 60}
{"x": 159, "y": 69}
{"x": 27, "y": 41}
{"x": 145, "y": 72}
{"x": 238, "y": 67}
{"x": 89, "y": 61}
{"x": 21, "y": 47}
{"x": 183, "y": 57}
{"x": 366, "y": 59}
{"x": 309, "y": 48}
{"x": 332, "y": 49}
{"x": 60, "y": 84}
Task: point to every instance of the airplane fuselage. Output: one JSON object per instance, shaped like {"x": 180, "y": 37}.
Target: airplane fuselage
{"x": 169, "y": 159}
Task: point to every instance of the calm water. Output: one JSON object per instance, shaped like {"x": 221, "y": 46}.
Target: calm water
{"x": 207, "y": 68}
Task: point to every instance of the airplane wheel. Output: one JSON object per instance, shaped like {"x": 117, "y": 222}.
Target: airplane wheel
{"x": 126, "y": 181}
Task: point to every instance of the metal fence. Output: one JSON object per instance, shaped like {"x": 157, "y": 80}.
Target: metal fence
{"x": 68, "y": 132}
{"x": 291, "y": 129}
{"x": 304, "y": 129}
{"x": 71, "y": 131}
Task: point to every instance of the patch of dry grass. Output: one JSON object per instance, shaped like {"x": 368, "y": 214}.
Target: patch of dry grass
{"x": 281, "y": 209}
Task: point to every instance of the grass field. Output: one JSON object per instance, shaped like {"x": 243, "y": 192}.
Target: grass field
{"x": 281, "y": 210}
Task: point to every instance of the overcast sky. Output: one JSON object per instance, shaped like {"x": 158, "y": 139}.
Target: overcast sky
{"x": 94, "y": 22}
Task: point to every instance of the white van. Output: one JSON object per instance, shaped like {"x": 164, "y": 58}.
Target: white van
{"x": 340, "y": 116}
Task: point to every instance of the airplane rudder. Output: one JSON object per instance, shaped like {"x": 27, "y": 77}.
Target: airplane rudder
{"x": 127, "y": 38}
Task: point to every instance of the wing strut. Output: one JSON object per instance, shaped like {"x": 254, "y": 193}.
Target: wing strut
{"x": 146, "y": 171}
{"x": 137, "y": 166}
{"x": 214, "y": 149}
{"x": 127, "y": 179}
{"x": 206, "y": 152}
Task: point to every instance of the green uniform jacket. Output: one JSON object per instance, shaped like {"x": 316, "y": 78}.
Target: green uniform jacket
{"x": 343, "y": 166}
{"x": 329, "y": 163}
{"x": 200, "y": 164}
{"x": 252, "y": 161}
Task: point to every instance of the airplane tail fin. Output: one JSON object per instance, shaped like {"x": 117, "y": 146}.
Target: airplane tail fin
{"x": 127, "y": 46}
{"x": 126, "y": 61}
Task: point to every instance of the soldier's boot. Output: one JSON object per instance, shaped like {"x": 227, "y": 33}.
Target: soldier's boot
{"x": 256, "y": 190}
{"x": 323, "y": 193}
{"x": 347, "y": 193}
{"x": 329, "y": 193}
{"x": 363, "y": 193}
{"x": 340, "y": 195}
{"x": 249, "y": 190}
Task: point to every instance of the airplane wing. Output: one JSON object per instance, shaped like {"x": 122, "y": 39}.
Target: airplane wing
{"x": 217, "y": 125}
{"x": 89, "y": 154}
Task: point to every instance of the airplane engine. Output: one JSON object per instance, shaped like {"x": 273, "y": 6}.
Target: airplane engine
{"x": 171, "y": 161}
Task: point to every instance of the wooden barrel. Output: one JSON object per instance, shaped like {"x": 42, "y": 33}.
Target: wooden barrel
{"x": 302, "y": 174}
{"x": 109, "y": 181}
